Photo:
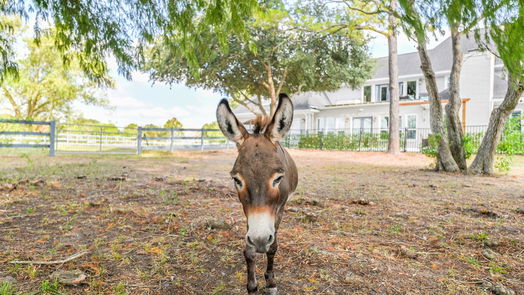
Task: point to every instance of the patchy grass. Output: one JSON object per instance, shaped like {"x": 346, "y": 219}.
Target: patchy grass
{"x": 359, "y": 223}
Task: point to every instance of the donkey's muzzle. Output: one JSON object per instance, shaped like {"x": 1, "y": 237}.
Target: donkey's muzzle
{"x": 260, "y": 243}
{"x": 261, "y": 231}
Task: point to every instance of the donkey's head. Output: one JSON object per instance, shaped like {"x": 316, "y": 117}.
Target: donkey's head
{"x": 261, "y": 169}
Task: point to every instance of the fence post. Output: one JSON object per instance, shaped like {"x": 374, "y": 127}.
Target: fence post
{"x": 359, "y": 138}
{"x": 101, "y": 134}
{"x": 202, "y": 139}
{"x": 321, "y": 135}
{"x": 171, "y": 141}
{"x": 52, "y": 138}
{"x": 139, "y": 141}
{"x": 405, "y": 139}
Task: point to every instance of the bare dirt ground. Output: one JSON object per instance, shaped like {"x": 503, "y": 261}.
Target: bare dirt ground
{"x": 359, "y": 223}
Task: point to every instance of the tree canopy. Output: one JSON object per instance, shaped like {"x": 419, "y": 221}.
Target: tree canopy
{"x": 99, "y": 29}
{"x": 46, "y": 88}
{"x": 173, "y": 123}
{"x": 288, "y": 58}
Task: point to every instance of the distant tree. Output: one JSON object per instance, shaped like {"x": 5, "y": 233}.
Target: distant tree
{"x": 279, "y": 57}
{"x": 212, "y": 125}
{"x": 91, "y": 125}
{"x": 173, "y": 123}
{"x": 152, "y": 133}
{"x": 45, "y": 88}
{"x": 99, "y": 29}
{"x": 505, "y": 30}
{"x": 371, "y": 16}
{"x": 420, "y": 19}
{"x": 131, "y": 128}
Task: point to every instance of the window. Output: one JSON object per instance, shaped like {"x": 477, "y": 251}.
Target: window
{"x": 382, "y": 93}
{"x": 384, "y": 124}
{"x": 412, "y": 89}
{"x": 320, "y": 124}
{"x": 362, "y": 124}
{"x": 367, "y": 93}
{"x": 400, "y": 88}
{"x": 339, "y": 124}
{"x": 330, "y": 124}
{"x": 411, "y": 127}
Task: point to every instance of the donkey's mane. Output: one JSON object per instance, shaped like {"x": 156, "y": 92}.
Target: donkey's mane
{"x": 259, "y": 124}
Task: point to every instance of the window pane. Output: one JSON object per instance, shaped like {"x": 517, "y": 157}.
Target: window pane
{"x": 412, "y": 121}
{"x": 384, "y": 123}
{"x": 367, "y": 93}
{"x": 330, "y": 124}
{"x": 412, "y": 89}
{"x": 401, "y": 88}
{"x": 384, "y": 93}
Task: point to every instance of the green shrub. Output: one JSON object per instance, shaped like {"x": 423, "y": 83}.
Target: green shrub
{"x": 431, "y": 149}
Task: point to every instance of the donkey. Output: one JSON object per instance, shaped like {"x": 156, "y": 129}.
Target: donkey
{"x": 264, "y": 175}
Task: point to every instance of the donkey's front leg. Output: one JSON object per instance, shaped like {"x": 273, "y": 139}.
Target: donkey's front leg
{"x": 271, "y": 286}
{"x": 249, "y": 254}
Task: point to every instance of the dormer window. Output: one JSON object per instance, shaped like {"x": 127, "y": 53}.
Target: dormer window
{"x": 367, "y": 93}
{"x": 412, "y": 89}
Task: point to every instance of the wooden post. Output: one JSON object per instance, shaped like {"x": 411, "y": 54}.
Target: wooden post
{"x": 101, "y": 134}
{"x": 52, "y": 138}
{"x": 171, "y": 141}
{"x": 202, "y": 139}
{"x": 139, "y": 141}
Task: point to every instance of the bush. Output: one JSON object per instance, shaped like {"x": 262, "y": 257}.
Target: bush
{"x": 512, "y": 141}
{"x": 342, "y": 141}
{"x": 431, "y": 149}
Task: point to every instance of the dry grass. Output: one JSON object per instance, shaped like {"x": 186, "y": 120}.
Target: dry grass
{"x": 154, "y": 233}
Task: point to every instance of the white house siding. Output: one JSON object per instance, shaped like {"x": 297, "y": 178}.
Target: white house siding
{"x": 476, "y": 83}
{"x": 376, "y": 111}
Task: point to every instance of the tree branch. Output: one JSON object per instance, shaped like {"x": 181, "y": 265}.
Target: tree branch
{"x": 282, "y": 81}
{"x": 16, "y": 108}
{"x": 244, "y": 104}
{"x": 72, "y": 257}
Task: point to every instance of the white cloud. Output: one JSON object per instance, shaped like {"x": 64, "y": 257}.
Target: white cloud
{"x": 126, "y": 109}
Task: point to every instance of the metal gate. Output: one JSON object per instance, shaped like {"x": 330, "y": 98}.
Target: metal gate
{"x": 95, "y": 139}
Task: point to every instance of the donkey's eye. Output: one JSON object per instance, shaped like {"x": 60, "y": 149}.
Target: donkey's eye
{"x": 277, "y": 180}
{"x": 238, "y": 182}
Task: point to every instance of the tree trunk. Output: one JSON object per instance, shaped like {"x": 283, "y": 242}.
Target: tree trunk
{"x": 445, "y": 159}
{"x": 454, "y": 126}
{"x": 394, "y": 136}
{"x": 485, "y": 159}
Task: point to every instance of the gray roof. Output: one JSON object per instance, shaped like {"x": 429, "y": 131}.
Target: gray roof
{"x": 409, "y": 63}
{"x": 301, "y": 101}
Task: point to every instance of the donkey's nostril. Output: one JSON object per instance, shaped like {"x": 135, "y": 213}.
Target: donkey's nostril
{"x": 270, "y": 239}
{"x": 249, "y": 241}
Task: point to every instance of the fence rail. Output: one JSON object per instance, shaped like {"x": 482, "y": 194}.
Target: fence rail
{"x": 23, "y": 141}
{"x": 83, "y": 138}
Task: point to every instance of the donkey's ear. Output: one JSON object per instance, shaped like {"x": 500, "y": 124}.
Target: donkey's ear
{"x": 282, "y": 119}
{"x": 229, "y": 124}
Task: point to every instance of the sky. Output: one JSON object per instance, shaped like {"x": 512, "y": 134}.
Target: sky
{"x": 142, "y": 102}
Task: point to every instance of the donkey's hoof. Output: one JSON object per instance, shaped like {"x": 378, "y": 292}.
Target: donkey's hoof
{"x": 270, "y": 291}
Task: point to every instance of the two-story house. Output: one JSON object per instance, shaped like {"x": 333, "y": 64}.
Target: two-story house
{"x": 482, "y": 87}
